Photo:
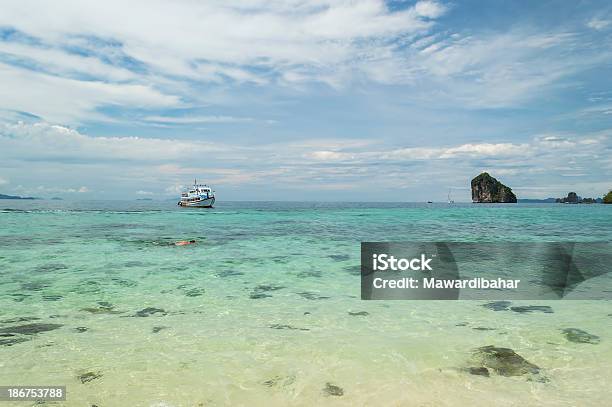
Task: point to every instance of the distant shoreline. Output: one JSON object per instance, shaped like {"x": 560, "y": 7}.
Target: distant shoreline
{"x": 30, "y": 198}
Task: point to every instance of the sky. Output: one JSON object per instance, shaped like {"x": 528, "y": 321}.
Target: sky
{"x": 304, "y": 100}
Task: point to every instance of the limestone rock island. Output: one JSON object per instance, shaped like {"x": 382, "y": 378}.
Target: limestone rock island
{"x": 486, "y": 189}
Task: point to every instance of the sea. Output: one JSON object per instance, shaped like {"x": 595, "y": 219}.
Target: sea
{"x": 264, "y": 309}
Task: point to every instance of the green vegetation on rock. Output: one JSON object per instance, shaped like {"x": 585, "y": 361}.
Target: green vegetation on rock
{"x": 486, "y": 189}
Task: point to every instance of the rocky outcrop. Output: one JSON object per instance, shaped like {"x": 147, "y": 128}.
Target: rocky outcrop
{"x": 579, "y": 336}
{"x": 503, "y": 361}
{"x": 574, "y": 198}
{"x": 486, "y": 189}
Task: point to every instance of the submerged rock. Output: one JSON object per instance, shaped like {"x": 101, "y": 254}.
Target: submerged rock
{"x": 194, "y": 292}
{"x": 18, "y": 319}
{"x": 19, "y": 297}
{"x": 268, "y": 287}
{"x": 35, "y": 285}
{"x": 280, "y": 381}
{"x": 12, "y": 335}
{"x": 504, "y": 361}
{"x": 88, "y": 286}
{"x": 12, "y": 340}
{"x": 281, "y": 326}
{"x": 498, "y": 305}
{"x": 312, "y": 273}
{"x": 261, "y": 291}
{"x": 104, "y": 307}
{"x": 156, "y": 329}
{"x": 257, "y": 296}
{"x": 486, "y": 189}
{"x": 124, "y": 282}
{"x": 146, "y": 312}
{"x": 479, "y": 371}
{"x": 359, "y": 313}
{"x": 333, "y": 390}
{"x": 99, "y": 310}
{"x": 533, "y": 308}
{"x": 52, "y": 297}
{"x": 89, "y": 376}
{"x": 29, "y": 329}
{"x": 229, "y": 273}
{"x": 311, "y": 296}
{"x": 50, "y": 267}
{"x": 579, "y": 336}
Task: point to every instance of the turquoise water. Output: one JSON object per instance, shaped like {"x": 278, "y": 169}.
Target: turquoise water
{"x": 264, "y": 309}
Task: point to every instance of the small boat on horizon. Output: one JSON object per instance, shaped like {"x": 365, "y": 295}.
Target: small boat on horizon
{"x": 198, "y": 196}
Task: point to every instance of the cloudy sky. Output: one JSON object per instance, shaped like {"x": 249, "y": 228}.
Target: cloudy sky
{"x": 304, "y": 100}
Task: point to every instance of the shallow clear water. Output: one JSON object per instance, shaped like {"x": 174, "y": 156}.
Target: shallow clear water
{"x": 258, "y": 311}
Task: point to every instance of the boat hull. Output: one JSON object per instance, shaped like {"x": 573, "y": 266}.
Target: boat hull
{"x": 204, "y": 203}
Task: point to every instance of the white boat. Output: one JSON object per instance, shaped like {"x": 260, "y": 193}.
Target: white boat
{"x": 198, "y": 196}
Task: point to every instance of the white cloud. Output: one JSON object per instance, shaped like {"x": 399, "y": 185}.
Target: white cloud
{"x": 45, "y": 189}
{"x": 598, "y": 23}
{"x": 61, "y": 63}
{"x": 54, "y": 142}
{"x": 68, "y": 100}
{"x": 487, "y": 150}
{"x": 269, "y": 43}
{"x": 90, "y": 61}
{"x": 429, "y": 9}
{"x": 475, "y": 150}
{"x": 166, "y": 166}
{"x": 41, "y": 140}
{"x": 175, "y": 189}
{"x": 216, "y": 33}
{"x": 329, "y": 156}
{"x": 499, "y": 69}
{"x": 242, "y": 41}
{"x": 197, "y": 119}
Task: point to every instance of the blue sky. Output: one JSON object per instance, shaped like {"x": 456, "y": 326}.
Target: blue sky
{"x": 305, "y": 100}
